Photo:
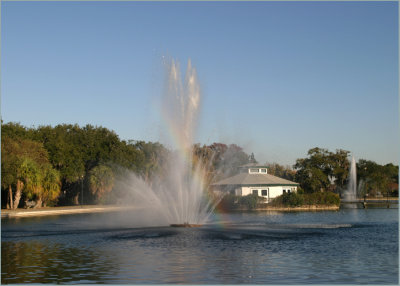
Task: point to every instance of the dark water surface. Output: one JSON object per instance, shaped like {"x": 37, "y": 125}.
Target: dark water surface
{"x": 353, "y": 246}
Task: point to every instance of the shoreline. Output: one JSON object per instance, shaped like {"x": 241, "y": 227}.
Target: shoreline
{"x": 290, "y": 209}
{"x": 302, "y": 208}
{"x": 49, "y": 211}
{"x": 68, "y": 210}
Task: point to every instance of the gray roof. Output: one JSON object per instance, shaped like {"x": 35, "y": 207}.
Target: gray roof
{"x": 247, "y": 179}
{"x": 252, "y": 165}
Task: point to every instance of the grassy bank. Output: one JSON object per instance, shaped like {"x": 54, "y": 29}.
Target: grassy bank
{"x": 286, "y": 202}
{"x": 300, "y": 208}
{"x": 307, "y": 200}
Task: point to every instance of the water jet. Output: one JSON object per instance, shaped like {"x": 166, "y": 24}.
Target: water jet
{"x": 350, "y": 194}
{"x": 177, "y": 195}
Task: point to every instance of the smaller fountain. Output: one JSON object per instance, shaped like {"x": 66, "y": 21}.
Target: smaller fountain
{"x": 350, "y": 194}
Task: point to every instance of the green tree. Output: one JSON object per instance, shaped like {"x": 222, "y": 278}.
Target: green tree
{"x": 128, "y": 156}
{"x": 65, "y": 145}
{"x": 220, "y": 160}
{"x": 392, "y": 172}
{"x": 230, "y": 160}
{"x": 51, "y": 185}
{"x": 313, "y": 173}
{"x": 375, "y": 178}
{"x": 15, "y": 131}
{"x": 154, "y": 158}
{"x": 285, "y": 172}
{"x": 41, "y": 182}
{"x": 17, "y": 155}
{"x": 31, "y": 175}
{"x": 340, "y": 165}
{"x": 74, "y": 151}
{"x": 101, "y": 181}
{"x": 10, "y": 161}
{"x": 250, "y": 201}
{"x": 203, "y": 159}
{"x": 323, "y": 170}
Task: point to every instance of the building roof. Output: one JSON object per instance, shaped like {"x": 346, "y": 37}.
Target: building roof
{"x": 252, "y": 165}
{"x": 246, "y": 179}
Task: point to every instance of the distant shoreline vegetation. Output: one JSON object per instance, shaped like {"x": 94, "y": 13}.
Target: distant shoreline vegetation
{"x": 287, "y": 200}
{"x": 70, "y": 165}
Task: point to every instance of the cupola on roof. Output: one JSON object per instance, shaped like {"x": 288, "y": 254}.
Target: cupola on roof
{"x": 253, "y": 168}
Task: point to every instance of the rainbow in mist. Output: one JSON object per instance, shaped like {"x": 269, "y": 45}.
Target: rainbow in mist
{"x": 178, "y": 195}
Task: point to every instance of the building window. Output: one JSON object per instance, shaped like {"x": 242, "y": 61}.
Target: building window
{"x": 252, "y": 170}
{"x": 288, "y": 191}
{"x": 264, "y": 193}
{"x": 284, "y": 191}
{"x": 255, "y": 192}
{"x": 263, "y": 170}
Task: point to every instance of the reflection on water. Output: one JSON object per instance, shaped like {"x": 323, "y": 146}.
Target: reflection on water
{"x": 348, "y": 246}
{"x": 44, "y": 262}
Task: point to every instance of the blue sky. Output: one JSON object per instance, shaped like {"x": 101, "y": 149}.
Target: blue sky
{"x": 277, "y": 78}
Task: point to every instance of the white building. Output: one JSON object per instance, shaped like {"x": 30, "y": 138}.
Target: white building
{"x": 254, "y": 179}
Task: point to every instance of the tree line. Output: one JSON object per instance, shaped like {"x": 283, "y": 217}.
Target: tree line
{"x": 68, "y": 164}
{"x": 52, "y": 165}
{"x": 323, "y": 170}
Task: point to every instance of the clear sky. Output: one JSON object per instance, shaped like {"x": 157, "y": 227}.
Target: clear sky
{"x": 277, "y": 78}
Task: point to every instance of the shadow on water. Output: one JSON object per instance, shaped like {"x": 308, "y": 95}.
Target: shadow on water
{"x": 229, "y": 232}
{"x": 144, "y": 233}
{"x": 270, "y": 232}
{"x": 232, "y": 232}
{"x": 126, "y": 233}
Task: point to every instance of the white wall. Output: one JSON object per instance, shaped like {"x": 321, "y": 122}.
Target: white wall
{"x": 273, "y": 192}
{"x": 250, "y": 171}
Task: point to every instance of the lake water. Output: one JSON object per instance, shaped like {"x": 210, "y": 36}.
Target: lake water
{"x": 349, "y": 246}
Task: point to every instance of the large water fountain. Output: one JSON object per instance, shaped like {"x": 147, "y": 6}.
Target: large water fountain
{"x": 350, "y": 194}
{"x": 131, "y": 247}
{"x": 178, "y": 195}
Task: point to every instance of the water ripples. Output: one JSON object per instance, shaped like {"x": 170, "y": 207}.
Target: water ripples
{"x": 295, "y": 249}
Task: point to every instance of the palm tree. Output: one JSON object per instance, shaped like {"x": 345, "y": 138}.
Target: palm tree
{"x": 51, "y": 185}
{"x": 101, "y": 181}
{"x": 31, "y": 177}
{"x": 21, "y": 164}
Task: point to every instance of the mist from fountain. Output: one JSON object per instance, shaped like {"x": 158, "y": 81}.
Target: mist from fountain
{"x": 350, "y": 194}
{"x": 178, "y": 194}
